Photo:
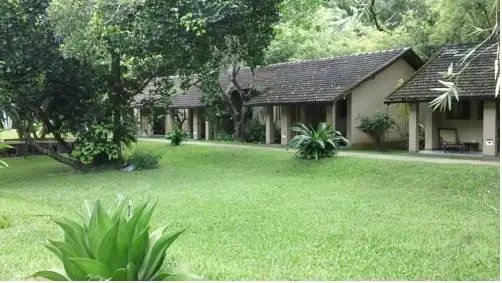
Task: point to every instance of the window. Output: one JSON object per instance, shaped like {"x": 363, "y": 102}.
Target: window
{"x": 460, "y": 110}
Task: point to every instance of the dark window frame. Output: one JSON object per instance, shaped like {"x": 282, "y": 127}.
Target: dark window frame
{"x": 481, "y": 109}
{"x": 460, "y": 110}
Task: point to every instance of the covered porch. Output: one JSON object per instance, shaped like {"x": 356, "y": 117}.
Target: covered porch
{"x": 163, "y": 120}
{"x": 283, "y": 116}
{"x": 193, "y": 121}
{"x": 470, "y": 128}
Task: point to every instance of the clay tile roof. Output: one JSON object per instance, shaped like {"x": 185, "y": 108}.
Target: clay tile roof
{"x": 323, "y": 80}
{"x": 190, "y": 98}
{"x": 477, "y": 80}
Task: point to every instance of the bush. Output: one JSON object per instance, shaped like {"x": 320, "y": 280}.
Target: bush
{"x": 94, "y": 146}
{"x": 223, "y": 136}
{"x": 177, "y": 136}
{"x": 376, "y": 126}
{"x": 113, "y": 245}
{"x": 254, "y": 132}
{"x": 143, "y": 161}
{"x": 317, "y": 143}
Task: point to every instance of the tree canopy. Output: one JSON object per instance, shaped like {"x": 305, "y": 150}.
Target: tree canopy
{"x": 340, "y": 27}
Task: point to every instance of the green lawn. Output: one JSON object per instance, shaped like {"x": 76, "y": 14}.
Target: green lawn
{"x": 261, "y": 215}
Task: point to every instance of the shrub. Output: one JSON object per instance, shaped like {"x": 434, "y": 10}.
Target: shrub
{"x": 94, "y": 146}
{"x": 317, "y": 143}
{"x": 177, "y": 136}
{"x": 254, "y": 132}
{"x": 113, "y": 245}
{"x": 223, "y": 136}
{"x": 143, "y": 160}
{"x": 376, "y": 126}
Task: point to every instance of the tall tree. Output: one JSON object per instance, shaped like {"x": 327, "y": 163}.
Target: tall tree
{"x": 38, "y": 85}
{"x": 234, "y": 40}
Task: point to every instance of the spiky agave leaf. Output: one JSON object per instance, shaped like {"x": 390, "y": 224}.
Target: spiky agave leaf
{"x": 114, "y": 245}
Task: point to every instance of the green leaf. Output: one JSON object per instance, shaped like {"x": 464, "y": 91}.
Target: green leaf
{"x": 108, "y": 249}
{"x": 132, "y": 272}
{"x": 50, "y": 275}
{"x": 92, "y": 268}
{"x": 144, "y": 220}
{"x": 100, "y": 224}
{"x": 155, "y": 255}
{"x": 120, "y": 275}
{"x": 74, "y": 234}
{"x": 139, "y": 248}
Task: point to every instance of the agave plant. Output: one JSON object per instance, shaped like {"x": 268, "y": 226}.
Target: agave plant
{"x": 114, "y": 245}
{"x": 317, "y": 143}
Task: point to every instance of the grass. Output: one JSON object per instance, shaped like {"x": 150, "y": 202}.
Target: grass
{"x": 262, "y": 215}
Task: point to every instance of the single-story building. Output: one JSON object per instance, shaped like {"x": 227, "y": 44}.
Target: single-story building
{"x": 472, "y": 124}
{"x": 184, "y": 106}
{"x": 336, "y": 90}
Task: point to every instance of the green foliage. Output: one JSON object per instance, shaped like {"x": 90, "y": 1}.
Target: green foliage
{"x": 254, "y": 132}
{"x": 177, "y": 136}
{"x": 143, "y": 160}
{"x": 112, "y": 245}
{"x": 376, "y": 126}
{"x": 317, "y": 143}
{"x": 94, "y": 146}
{"x": 347, "y": 26}
{"x": 224, "y": 136}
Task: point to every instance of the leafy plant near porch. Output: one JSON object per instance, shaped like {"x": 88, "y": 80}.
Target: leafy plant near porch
{"x": 317, "y": 143}
{"x": 177, "y": 136}
{"x": 376, "y": 126}
{"x": 114, "y": 245}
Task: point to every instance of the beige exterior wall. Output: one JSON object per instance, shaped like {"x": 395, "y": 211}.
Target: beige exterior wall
{"x": 473, "y": 130}
{"x": 369, "y": 98}
{"x": 468, "y": 130}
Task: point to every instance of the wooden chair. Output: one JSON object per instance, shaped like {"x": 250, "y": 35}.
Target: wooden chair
{"x": 449, "y": 140}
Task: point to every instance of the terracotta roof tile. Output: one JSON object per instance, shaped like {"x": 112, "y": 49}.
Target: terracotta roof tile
{"x": 324, "y": 79}
{"x": 477, "y": 80}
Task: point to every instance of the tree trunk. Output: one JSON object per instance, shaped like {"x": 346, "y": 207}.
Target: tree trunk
{"x": 60, "y": 158}
{"x": 117, "y": 92}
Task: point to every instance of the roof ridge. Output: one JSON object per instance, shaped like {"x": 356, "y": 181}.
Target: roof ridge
{"x": 355, "y": 54}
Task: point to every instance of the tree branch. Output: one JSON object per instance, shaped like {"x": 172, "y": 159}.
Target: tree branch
{"x": 371, "y": 9}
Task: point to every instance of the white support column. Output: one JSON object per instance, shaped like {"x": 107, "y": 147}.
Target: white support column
{"x": 303, "y": 114}
{"x": 431, "y": 129}
{"x": 197, "y": 129}
{"x": 490, "y": 128}
{"x": 285, "y": 124}
{"x": 137, "y": 116}
{"x": 209, "y": 130}
{"x": 331, "y": 115}
{"x": 171, "y": 120}
{"x": 189, "y": 121}
{"x": 149, "y": 126}
{"x": 413, "y": 139}
{"x": 269, "y": 124}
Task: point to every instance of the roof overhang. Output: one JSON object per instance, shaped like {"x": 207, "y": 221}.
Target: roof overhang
{"x": 429, "y": 99}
